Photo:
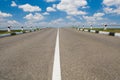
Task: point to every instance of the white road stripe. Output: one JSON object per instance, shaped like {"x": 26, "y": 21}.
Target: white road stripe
{"x": 56, "y": 65}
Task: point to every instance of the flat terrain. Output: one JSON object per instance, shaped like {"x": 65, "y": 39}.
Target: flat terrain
{"x": 89, "y": 56}
{"x": 83, "y": 55}
{"x": 28, "y": 56}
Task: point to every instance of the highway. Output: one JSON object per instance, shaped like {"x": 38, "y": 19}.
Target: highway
{"x": 83, "y": 55}
{"x": 28, "y": 56}
{"x": 89, "y": 56}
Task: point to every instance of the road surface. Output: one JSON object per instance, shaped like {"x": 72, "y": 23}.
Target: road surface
{"x": 83, "y": 56}
{"x": 28, "y": 56}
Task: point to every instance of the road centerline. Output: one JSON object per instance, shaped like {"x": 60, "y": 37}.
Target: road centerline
{"x": 56, "y": 65}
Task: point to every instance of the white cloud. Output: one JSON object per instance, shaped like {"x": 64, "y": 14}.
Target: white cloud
{"x": 13, "y": 4}
{"x": 109, "y": 10}
{"x": 50, "y": 0}
{"x": 109, "y": 4}
{"x": 6, "y": 22}
{"x": 13, "y": 22}
{"x": 98, "y": 14}
{"x": 46, "y": 13}
{"x": 96, "y": 17}
{"x": 58, "y": 20}
{"x": 117, "y": 11}
{"x": 54, "y": 23}
{"x": 62, "y": 23}
{"x": 71, "y": 6}
{"x": 50, "y": 9}
{"x": 35, "y": 17}
{"x": 2, "y": 14}
{"x": 85, "y": 7}
{"x": 29, "y": 8}
{"x": 71, "y": 18}
{"x": 54, "y": 6}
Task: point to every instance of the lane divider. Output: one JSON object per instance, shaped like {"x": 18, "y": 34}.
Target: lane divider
{"x": 56, "y": 65}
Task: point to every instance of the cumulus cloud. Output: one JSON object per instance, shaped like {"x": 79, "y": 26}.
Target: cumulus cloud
{"x": 71, "y": 18}
{"x": 50, "y": 9}
{"x": 13, "y": 22}
{"x": 58, "y": 20}
{"x": 6, "y": 22}
{"x": 117, "y": 11}
{"x": 62, "y": 23}
{"x": 98, "y": 14}
{"x": 54, "y": 5}
{"x": 35, "y": 17}
{"x": 13, "y": 4}
{"x": 112, "y": 6}
{"x": 71, "y": 6}
{"x": 109, "y": 10}
{"x": 50, "y": 0}
{"x": 29, "y": 8}
{"x": 2, "y": 14}
{"x": 46, "y": 13}
{"x": 94, "y": 18}
{"x": 111, "y": 2}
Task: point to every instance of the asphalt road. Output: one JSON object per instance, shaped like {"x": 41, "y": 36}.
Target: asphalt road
{"x": 83, "y": 56}
{"x": 28, "y": 56}
{"x": 89, "y": 56}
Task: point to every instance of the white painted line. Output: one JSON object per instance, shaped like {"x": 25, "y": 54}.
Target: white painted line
{"x": 56, "y": 65}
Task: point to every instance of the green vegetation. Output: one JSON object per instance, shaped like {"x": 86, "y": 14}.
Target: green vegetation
{"x": 12, "y": 31}
{"x": 113, "y": 30}
{"x": 24, "y": 31}
{"x": 3, "y": 32}
{"x": 37, "y": 29}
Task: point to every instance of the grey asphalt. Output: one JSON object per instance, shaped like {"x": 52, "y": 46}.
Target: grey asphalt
{"x": 83, "y": 55}
{"x": 89, "y": 56}
{"x": 28, "y": 56}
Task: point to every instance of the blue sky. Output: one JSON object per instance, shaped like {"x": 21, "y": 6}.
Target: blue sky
{"x": 58, "y": 13}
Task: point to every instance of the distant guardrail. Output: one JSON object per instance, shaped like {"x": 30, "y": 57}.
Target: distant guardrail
{"x": 10, "y": 32}
{"x": 100, "y": 32}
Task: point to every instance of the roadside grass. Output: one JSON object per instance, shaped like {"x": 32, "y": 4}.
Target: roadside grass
{"x": 12, "y": 31}
{"x": 4, "y": 32}
{"x": 113, "y": 30}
